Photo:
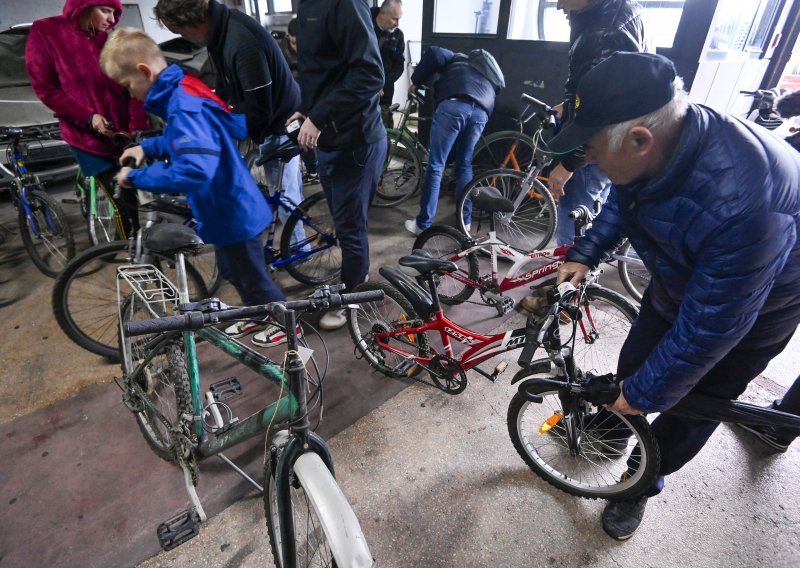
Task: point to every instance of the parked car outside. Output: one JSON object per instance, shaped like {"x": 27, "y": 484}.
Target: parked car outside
{"x": 50, "y": 158}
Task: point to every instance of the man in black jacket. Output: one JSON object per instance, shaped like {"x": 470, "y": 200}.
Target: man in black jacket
{"x": 391, "y": 43}
{"x": 598, "y": 28}
{"x": 253, "y": 77}
{"x": 341, "y": 76}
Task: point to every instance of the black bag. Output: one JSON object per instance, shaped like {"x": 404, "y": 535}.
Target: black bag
{"x": 484, "y": 63}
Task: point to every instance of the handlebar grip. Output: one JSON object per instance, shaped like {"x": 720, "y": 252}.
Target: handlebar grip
{"x": 535, "y": 102}
{"x": 192, "y": 320}
{"x": 361, "y": 297}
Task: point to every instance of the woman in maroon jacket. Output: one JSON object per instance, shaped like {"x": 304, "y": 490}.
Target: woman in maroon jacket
{"x": 63, "y": 60}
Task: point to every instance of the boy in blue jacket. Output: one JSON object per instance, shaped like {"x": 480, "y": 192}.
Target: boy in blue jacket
{"x": 204, "y": 162}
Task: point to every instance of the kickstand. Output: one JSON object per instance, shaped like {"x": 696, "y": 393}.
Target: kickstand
{"x": 187, "y": 480}
{"x": 241, "y": 472}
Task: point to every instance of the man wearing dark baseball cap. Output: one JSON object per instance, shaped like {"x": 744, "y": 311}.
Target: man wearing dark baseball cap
{"x": 712, "y": 206}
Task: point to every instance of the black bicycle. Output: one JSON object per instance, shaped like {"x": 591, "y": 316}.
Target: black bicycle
{"x": 560, "y": 427}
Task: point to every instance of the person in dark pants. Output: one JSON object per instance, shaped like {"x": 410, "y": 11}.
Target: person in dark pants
{"x": 392, "y": 46}
{"x": 712, "y": 206}
{"x": 253, "y": 77}
{"x": 464, "y": 100}
{"x": 341, "y": 76}
{"x": 197, "y": 153}
{"x": 598, "y": 28}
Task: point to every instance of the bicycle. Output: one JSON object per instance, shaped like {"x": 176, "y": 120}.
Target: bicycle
{"x": 530, "y": 222}
{"x": 559, "y": 426}
{"x": 407, "y": 156}
{"x": 43, "y": 225}
{"x": 308, "y": 517}
{"x": 391, "y": 335}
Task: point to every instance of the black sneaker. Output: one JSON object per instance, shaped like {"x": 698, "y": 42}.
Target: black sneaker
{"x": 769, "y": 435}
{"x": 309, "y": 179}
{"x": 621, "y": 519}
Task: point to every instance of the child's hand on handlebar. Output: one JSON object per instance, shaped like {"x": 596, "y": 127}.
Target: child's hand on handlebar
{"x": 135, "y": 153}
{"x": 122, "y": 177}
{"x": 575, "y": 272}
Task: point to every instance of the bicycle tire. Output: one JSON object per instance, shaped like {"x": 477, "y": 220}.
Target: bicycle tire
{"x": 53, "y": 246}
{"x": 85, "y": 295}
{"x": 445, "y": 242}
{"x": 402, "y": 171}
{"x": 604, "y": 467}
{"x": 313, "y": 545}
{"x": 382, "y": 316}
{"x": 164, "y": 383}
{"x": 635, "y": 279}
{"x": 532, "y": 223}
{"x": 493, "y": 152}
{"x": 320, "y": 234}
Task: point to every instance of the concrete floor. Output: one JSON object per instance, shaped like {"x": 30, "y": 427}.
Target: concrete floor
{"x": 433, "y": 478}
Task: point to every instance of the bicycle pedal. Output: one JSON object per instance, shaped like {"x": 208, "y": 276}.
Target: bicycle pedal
{"x": 499, "y": 370}
{"x": 175, "y": 531}
{"x": 504, "y": 306}
{"x": 69, "y": 201}
{"x": 406, "y": 367}
{"x": 226, "y": 389}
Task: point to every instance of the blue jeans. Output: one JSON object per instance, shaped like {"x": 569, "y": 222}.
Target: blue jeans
{"x": 587, "y": 185}
{"x": 349, "y": 179}
{"x": 680, "y": 438}
{"x": 292, "y": 182}
{"x": 455, "y": 124}
{"x": 243, "y": 266}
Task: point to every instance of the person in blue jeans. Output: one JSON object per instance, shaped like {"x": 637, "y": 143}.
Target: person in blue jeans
{"x": 198, "y": 155}
{"x": 464, "y": 101}
{"x": 598, "y": 28}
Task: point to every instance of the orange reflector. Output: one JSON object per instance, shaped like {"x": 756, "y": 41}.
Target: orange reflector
{"x": 550, "y": 422}
{"x": 412, "y": 338}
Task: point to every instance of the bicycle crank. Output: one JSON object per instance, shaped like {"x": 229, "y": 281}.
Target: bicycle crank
{"x": 447, "y": 374}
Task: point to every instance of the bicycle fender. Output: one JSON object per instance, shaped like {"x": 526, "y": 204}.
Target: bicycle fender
{"x": 339, "y": 522}
{"x": 542, "y": 366}
{"x": 420, "y": 299}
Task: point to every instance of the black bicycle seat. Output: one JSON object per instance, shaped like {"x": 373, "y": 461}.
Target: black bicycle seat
{"x": 422, "y": 261}
{"x": 171, "y": 238}
{"x": 490, "y": 199}
{"x": 283, "y": 152}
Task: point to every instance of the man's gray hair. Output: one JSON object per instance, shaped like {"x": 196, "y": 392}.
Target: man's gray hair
{"x": 387, "y": 4}
{"x": 669, "y": 114}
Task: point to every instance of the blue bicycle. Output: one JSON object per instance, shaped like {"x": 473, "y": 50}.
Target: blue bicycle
{"x": 43, "y": 225}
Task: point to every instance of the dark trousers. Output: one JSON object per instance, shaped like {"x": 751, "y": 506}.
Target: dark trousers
{"x": 679, "y": 438}
{"x": 349, "y": 179}
{"x": 243, "y": 266}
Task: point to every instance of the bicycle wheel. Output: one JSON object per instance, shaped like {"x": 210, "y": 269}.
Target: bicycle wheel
{"x": 159, "y": 393}
{"x": 386, "y": 315}
{"x": 402, "y": 172}
{"x": 507, "y": 149}
{"x": 532, "y": 223}
{"x": 606, "y": 319}
{"x": 314, "y": 495}
{"x": 446, "y": 242}
{"x": 617, "y": 456}
{"x": 205, "y": 264}
{"x": 324, "y": 259}
{"x": 85, "y": 295}
{"x": 634, "y": 275}
{"x": 45, "y": 233}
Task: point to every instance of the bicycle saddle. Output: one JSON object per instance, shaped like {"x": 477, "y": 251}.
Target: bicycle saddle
{"x": 423, "y": 262}
{"x": 171, "y": 238}
{"x": 283, "y": 152}
{"x": 490, "y": 199}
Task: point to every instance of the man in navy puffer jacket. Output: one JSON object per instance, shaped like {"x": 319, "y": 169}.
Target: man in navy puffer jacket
{"x": 712, "y": 205}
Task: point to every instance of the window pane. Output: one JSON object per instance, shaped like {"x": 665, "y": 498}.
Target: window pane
{"x": 541, "y": 20}
{"x": 466, "y": 16}
{"x": 282, "y": 5}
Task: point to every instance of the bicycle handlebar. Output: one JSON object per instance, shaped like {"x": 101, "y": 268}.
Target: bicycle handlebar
{"x": 197, "y": 320}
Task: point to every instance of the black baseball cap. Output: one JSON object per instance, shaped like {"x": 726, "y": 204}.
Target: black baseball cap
{"x": 623, "y": 87}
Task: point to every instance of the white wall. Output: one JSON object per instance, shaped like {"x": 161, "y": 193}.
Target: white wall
{"x": 411, "y": 24}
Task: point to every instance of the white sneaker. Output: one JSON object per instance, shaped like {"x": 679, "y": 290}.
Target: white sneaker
{"x": 468, "y": 227}
{"x": 411, "y": 227}
{"x": 273, "y": 335}
{"x": 333, "y": 319}
{"x": 242, "y": 328}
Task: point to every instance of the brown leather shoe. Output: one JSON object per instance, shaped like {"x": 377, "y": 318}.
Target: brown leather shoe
{"x": 535, "y": 305}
